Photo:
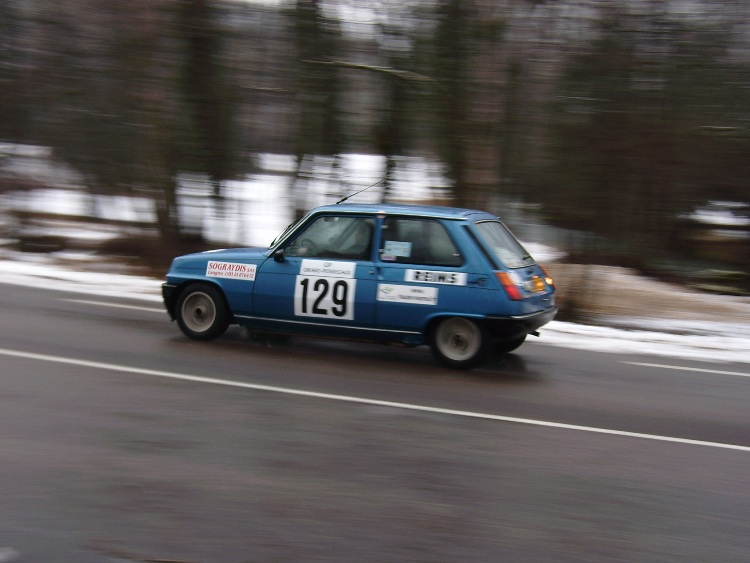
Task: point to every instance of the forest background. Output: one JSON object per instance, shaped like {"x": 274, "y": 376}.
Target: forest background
{"x": 618, "y": 119}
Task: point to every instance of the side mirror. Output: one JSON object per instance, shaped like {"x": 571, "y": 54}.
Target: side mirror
{"x": 278, "y": 256}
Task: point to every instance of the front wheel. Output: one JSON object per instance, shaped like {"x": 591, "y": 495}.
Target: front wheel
{"x": 201, "y": 313}
{"x": 460, "y": 343}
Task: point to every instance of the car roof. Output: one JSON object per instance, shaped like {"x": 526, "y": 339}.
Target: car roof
{"x": 435, "y": 211}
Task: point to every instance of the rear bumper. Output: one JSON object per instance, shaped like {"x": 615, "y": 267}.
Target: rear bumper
{"x": 513, "y": 327}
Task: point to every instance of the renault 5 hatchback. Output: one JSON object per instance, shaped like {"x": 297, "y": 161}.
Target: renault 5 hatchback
{"x": 454, "y": 279}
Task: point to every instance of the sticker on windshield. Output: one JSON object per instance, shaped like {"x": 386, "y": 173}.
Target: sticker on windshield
{"x": 429, "y": 276}
{"x": 230, "y": 270}
{"x": 393, "y": 249}
{"x": 391, "y": 293}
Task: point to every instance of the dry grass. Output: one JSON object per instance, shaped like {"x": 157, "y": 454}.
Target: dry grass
{"x": 587, "y": 292}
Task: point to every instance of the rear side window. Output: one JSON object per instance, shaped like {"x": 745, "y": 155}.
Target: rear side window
{"x": 418, "y": 241}
{"x": 503, "y": 245}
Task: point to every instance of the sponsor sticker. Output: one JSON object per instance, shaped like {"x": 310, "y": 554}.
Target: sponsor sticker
{"x": 327, "y": 268}
{"x": 391, "y": 293}
{"x": 430, "y": 276}
{"x": 230, "y": 270}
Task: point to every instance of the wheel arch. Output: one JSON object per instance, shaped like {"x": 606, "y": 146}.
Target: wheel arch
{"x": 434, "y": 320}
{"x": 181, "y": 287}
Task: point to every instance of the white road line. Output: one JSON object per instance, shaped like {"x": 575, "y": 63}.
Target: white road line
{"x": 364, "y": 401}
{"x": 117, "y": 305}
{"x": 8, "y": 554}
{"x": 684, "y": 368}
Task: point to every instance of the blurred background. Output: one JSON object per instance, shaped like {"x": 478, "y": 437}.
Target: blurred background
{"x": 616, "y": 131}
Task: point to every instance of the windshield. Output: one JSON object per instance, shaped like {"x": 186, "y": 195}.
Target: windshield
{"x": 504, "y": 245}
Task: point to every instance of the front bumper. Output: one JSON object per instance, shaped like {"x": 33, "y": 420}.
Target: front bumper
{"x": 169, "y": 294}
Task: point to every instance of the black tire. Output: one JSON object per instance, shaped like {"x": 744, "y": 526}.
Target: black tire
{"x": 507, "y": 346}
{"x": 201, "y": 312}
{"x": 460, "y": 343}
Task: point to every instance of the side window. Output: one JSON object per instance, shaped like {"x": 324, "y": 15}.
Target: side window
{"x": 335, "y": 237}
{"x": 418, "y": 241}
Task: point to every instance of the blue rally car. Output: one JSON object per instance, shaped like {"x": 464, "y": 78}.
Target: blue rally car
{"x": 455, "y": 279}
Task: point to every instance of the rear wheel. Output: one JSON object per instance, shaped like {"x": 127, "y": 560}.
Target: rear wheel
{"x": 201, "y": 312}
{"x": 460, "y": 343}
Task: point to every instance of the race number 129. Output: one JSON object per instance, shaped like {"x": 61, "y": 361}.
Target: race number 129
{"x": 331, "y": 298}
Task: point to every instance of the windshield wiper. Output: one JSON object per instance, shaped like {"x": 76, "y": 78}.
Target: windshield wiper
{"x": 285, "y": 231}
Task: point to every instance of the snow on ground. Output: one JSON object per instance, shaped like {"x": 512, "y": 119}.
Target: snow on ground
{"x": 36, "y": 270}
{"x": 260, "y": 208}
{"x": 712, "y": 343}
{"x": 695, "y": 340}
{"x": 262, "y": 197}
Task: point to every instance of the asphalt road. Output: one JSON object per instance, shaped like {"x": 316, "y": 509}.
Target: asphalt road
{"x": 121, "y": 440}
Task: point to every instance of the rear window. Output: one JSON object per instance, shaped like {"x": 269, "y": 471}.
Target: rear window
{"x": 503, "y": 245}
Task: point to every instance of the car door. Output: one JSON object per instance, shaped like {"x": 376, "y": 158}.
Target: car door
{"x": 324, "y": 275}
{"x": 421, "y": 272}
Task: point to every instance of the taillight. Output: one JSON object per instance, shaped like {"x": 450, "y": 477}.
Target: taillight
{"x": 510, "y": 285}
{"x": 547, "y": 278}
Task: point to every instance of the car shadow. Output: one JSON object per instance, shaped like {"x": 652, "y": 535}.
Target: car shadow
{"x": 508, "y": 369}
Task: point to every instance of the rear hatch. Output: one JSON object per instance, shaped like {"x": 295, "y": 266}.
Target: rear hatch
{"x": 516, "y": 270}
